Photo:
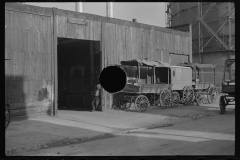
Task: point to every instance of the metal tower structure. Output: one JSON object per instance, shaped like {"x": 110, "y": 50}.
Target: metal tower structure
{"x": 213, "y": 25}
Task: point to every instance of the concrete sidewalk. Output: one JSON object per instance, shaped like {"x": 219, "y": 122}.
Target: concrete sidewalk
{"x": 71, "y": 127}
{"x": 132, "y": 119}
{"x": 118, "y": 120}
{"x": 45, "y": 131}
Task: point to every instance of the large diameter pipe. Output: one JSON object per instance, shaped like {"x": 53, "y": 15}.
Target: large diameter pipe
{"x": 79, "y": 6}
{"x": 109, "y": 8}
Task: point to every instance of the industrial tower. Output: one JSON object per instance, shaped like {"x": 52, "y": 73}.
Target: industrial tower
{"x": 213, "y": 29}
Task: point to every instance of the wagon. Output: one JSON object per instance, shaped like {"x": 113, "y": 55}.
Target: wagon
{"x": 148, "y": 83}
{"x": 228, "y": 86}
{"x": 78, "y": 91}
{"x": 201, "y": 90}
{"x": 181, "y": 78}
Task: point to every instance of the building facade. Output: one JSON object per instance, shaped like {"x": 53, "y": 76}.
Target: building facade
{"x": 55, "y": 54}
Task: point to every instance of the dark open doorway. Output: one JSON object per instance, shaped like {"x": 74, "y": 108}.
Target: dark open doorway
{"x": 78, "y": 71}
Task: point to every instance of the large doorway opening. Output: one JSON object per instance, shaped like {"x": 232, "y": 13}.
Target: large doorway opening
{"x": 78, "y": 72}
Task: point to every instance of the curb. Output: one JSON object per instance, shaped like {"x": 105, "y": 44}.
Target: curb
{"x": 57, "y": 143}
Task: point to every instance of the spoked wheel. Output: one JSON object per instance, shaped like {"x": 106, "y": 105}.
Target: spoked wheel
{"x": 165, "y": 98}
{"x": 7, "y": 115}
{"x": 199, "y": 98}
{"x": 175, "y": 99}
{"x": 212, "y": 95}
{"x": 188, "y": 95}
{"x": 141, "y": 103}
{"x": 87, "y": 100}
{"x": 222, "y": 104}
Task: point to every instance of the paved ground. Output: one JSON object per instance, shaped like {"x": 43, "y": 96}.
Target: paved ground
{"x": 150, "y": 142}
{"x": 41, "y": 134}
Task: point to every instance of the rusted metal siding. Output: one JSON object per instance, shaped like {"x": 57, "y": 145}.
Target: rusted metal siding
{"x": 28, "y": 39}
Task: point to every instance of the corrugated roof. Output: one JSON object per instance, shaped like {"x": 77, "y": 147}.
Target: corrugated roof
{"x": 197, "y": 66}
{"x": 146, "y": 62}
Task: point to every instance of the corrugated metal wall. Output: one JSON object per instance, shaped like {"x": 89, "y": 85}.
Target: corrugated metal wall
{"x": 28, "y": 39}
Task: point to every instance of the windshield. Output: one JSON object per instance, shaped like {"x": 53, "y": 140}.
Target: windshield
{"x": 130, "y": 70}
{"x": 230, "y": 72}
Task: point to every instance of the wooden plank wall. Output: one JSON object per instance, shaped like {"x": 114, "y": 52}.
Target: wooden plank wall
{"x": 67, "y": 28}
{"x": 28, "y": 72}
{"x": 28, "y": 41}
{"x": 122, "y": 42}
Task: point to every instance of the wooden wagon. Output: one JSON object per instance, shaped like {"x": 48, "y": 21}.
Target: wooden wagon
{"x": 181, "y": 83}
{"x": 79, "y": 91}
{"x": 200, "y": 89}
{"x": 147, "y": 84}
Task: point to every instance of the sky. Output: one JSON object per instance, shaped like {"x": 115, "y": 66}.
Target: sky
{"x": 152, "y": 13}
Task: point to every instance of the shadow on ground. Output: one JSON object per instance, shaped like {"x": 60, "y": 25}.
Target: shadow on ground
{"x": 29, "y": 135}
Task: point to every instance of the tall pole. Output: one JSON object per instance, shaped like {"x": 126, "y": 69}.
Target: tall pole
{"x": 229, "y": 25}
{"x": 199, "y": 26}
{"x": 190, "y": 50}
{"x": 230, "y": 36}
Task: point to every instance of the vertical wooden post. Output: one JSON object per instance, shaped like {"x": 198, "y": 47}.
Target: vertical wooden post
{"x": 91, "y": 65}
{"x": 52, "y": 66}
{"x": 55, "y": 62}
{"x": 154, "y": 81}
{"x": 139, "y": 71}
{"x": 103, "y": 98}
{"x": 196, "y": 82}
{"x": 214, "y": 75}
{"x": 190, "y": 41}
{"x": 168, "y": 74}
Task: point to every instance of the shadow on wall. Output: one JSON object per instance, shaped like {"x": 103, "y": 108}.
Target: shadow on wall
{"x": 14, "y": 95}
{"x": 20, "y": 96}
